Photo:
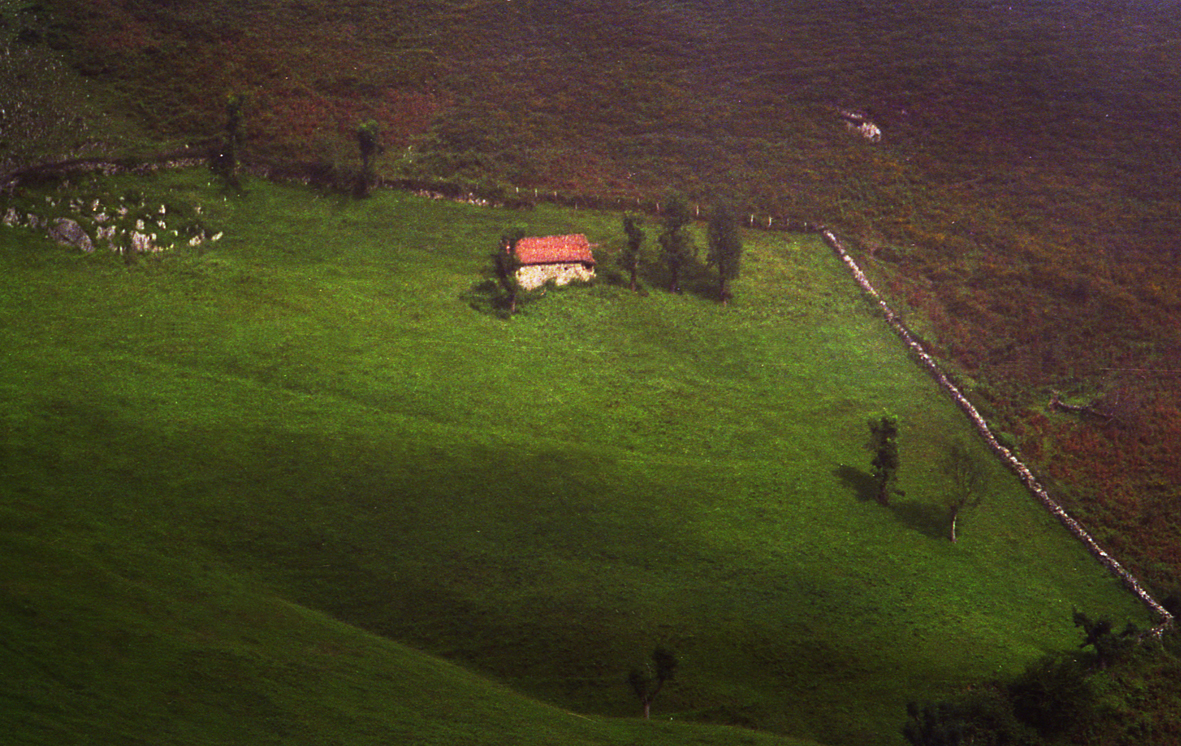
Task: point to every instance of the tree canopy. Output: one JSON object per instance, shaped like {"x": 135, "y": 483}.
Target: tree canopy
{"x": 675, "y": 244}
{"x": 505, "y": 264}
{"x": 630, "y": 257}
{"x": 968, "y": 483}
{"x": 647, "y": 686}
{"x": 725, "y": 248}
{"x": 883, "y": 444}
{"x": 369, "y": 142}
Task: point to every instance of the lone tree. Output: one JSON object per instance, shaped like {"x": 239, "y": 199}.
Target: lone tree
{"x": 883, "y": 444}
{"x": 648, "y": 685}
{"x": 675, "y": 244}
{"x": 225, "y": 159}
{"x": 725, "y": 248}
{"x": 630, "y": 258}
{"x": 369, "y": 141}
{"x": 505, "y": 264}
{"x": 968, "y": 484}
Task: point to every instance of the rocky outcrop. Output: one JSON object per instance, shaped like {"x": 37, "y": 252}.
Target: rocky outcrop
{"x": 125, "y": 227}
{"x": 68, "y": 233}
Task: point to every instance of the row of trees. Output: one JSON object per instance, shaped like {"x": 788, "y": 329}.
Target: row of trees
{"x": 677, "y": 250}
{"x": 224, "y": 157}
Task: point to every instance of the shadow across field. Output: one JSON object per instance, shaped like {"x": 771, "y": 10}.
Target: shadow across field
{"x": 859, "y": 481}
{"x": 927, "y": 519}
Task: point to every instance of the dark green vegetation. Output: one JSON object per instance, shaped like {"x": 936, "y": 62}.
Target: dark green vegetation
{"x": 725, "y": 248}
{"x": 647, "y": 685}
{"x": 223, "y": 158}
{"x": 629, "y": 256}
{"x": 677, "y": 249}
{"x": 1068, "y": 697}
{"x": 369, "y": 142}
{"x": 884, "y": 459}
{"x": 968, "y": 484}
{"x": 208, "y": 454}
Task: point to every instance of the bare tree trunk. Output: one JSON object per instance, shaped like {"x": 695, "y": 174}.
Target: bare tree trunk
{"x": 955, "y": 514}
{"x": 647, "y": 709}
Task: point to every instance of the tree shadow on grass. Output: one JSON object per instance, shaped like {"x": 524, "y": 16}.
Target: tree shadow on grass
{"x": 695, "y": 279}
{"x": 862, "y": 483}
{"x": 929, "y": 520}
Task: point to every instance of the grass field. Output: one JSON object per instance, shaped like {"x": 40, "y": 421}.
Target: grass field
{"x": 1021, "y": 206}
{"x": 240, "y": 477}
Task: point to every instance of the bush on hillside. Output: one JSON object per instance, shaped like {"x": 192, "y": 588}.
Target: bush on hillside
{"x": 1053, "y": 693}
{"x": 983, "y": 718}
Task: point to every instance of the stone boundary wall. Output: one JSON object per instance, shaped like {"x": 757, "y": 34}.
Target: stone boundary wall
{"x": 1007, "y": 456}
{"x": 322, "y": 175}
{"x": 182, "y": 158}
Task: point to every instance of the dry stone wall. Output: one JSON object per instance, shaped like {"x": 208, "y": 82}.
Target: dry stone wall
{"x": 1006, "y": 455}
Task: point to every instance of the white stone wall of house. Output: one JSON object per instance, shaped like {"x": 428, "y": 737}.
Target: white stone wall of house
{"x": 536, "y": 275}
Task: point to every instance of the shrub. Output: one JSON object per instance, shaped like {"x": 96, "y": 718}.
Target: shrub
{"x": 1053, "y": 693}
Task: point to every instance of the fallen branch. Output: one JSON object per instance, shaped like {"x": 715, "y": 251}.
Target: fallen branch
{"x": 1057, "y": 405}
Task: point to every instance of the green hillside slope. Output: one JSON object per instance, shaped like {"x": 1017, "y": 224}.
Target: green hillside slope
{"x": 108, "y": 642}
{"x": 1022, "y": 199}
{"x": 211, "y": 452}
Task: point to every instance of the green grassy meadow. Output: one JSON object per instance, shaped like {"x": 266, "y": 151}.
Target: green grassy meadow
{"x": 299, "y": 486}
{"x": 1020, "y": 209}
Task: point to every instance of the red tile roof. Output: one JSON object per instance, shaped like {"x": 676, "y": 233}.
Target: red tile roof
{"x": 555, "y": 250}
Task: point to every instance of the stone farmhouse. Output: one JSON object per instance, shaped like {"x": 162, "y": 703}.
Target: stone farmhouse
{"x": 557, "y": 259}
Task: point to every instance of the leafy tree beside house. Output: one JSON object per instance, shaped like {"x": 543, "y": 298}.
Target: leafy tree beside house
{"x": 676, "y": 246}
{"x": 725, "y": 248}
{"x": 630, "y": 258}
{"x": 505, "y": 264}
